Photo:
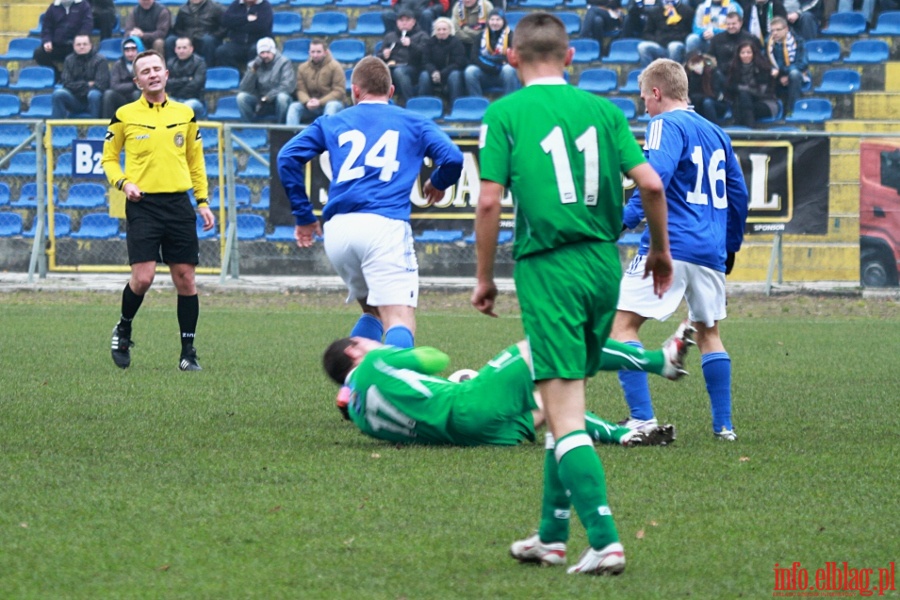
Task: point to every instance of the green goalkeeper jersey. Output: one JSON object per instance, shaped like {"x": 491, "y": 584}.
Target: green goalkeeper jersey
{"x": 561, "y": 151}
{"x": 395, "y": 396}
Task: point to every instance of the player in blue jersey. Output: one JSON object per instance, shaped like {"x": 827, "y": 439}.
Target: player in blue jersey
{"x": 376, "y": 151}
{"x": 708, "y": 202}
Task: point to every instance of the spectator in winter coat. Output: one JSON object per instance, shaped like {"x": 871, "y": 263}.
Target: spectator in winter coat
{"x": 187, "y": 77}
{"x": 200, "y": 20}
{"x": 63, "y": 20}
{"x": 705, "y": 88}
{"x": 150, "y": 21}
{"x": 85, "y": 76}
{"x": 787, "y": 53}
{"x": 603, "y": 19}
{"x": 321, "y": 86}
{"x": 750, "y": 86}
{"x": 246, "y": 22}
{"x": 709, "y": 19}
{"x": 803, "y": 20}
{"x": 268, "y": 84}
{"x": 402, "y": 51}
{"x": 443, "y": 63}
{"x": 426, "y": 11}
{"x": 666, "y": 28}
{"x": 491, "y": 67}
{"x": 122, "y": 88}
{"x": 104, "y": 12}
{"x": 758, "y": 15}
{"x": 470, "y": 18}
{"x": 723, "y": 45}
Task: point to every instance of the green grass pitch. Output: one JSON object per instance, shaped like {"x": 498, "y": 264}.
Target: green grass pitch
{"x": 242, "y": 481}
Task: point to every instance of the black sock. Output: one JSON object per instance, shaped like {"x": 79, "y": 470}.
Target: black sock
{"x": 131, "y": 302}
{"x": 188, "y": 312}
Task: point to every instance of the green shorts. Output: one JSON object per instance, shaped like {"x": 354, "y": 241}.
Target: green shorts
{"x": 495, "y": 407}
{"x": 568, "y": 298}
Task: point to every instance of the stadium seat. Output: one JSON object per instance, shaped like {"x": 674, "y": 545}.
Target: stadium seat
{"x": 468, "y": 109}
{"x": 226, "y": 110}
{"x": 250, "y": 227}
{"x": 4, "y": 194}
{"x": 10, "y": 224}
{"x": 348, "y": 73}
{"x": 212, "y": 165}
{"x": 888, "y": 24}
{"x": 868, "y": 52}
{"x": 286, "y": 23}
{"x": 328, "y": 23}
{"x": 62, "y": 226}
{"x": 63, "y": 135}
{"x": 277, "y": 3}
{"x": 85, "y": 195}
{"x": 315, "y": 3}
{"x": 368, "y": 23}
{"x": 623, "y": 51}
{"x": 12, "y": 134}
{"x": 210, "y": 138}
{"x": 22, "y": 163}
{"x": 430, "y": 107}
{"x": 631, "y": 83}
{"x": 256, "y": 169}
{"x": 572, "y": 4}
{"x": 9, "y": 105}
{"x": 34, "y": 78}
{"x": 37, "y": 29}
{"x": 263, "y": 203}
{"x": 116, "y": 30}
{"x": 40, "y": 107}
{"x": 823, "y": 52}
{"x": 539, "y": 3}
{"x": 626, "y": 105}
{"x": 504, "y": 236}
{"x": 297, "y": 50}
{"x": 111, "y": 49}
{"x": 4, "y": 77}
{"x": 811, "y": 110}
{"x": 96, "y": 132}
{"x": 571, "y": 20}
{"x": 21, "y": 48}
{"x": 356, "y": 3}
{"x": 514, "y": 16}
{"x": 348, "y": 50}
{"x": 282, "y": 233}
{"x": 439, "y": 236}
{"x": 845, "y": 24}
{"x": 63, "y": 166}
{"x": 241, "y": 197}
{"x": 778, "y": 116}
{"x": 598, "y": 81}
{"x": 839, "y": 81}
{"x": 255, "y": 138}
{"x": 28, "y": 196}
{"x": 222, "y": 79}
{"x": 206, "y": 235}
{"x": 586, "y": 50}
{"x": 97, "y": 226}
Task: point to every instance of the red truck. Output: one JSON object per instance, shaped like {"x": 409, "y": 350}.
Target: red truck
{"x": 879, "y": 212}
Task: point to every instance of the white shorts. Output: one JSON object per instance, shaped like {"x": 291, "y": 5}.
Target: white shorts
{"x": 702, "y": 288}
{"x": 375, "y": 257}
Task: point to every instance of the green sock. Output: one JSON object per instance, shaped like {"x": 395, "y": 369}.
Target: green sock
{"x": 603, "y": 431}
{"x": 581, "y": 472}
{"x": 617, "y": 356}
{"x": 555, "y": 507}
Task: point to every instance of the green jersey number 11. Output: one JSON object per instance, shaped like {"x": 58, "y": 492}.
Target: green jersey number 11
{"x": 555, "y": 145}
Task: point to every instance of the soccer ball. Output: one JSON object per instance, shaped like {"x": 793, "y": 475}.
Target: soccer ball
{"x": 462, "y": 375}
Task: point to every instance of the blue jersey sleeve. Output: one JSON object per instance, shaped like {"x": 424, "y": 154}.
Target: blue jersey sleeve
{"x": 445, "y": 154}
{"x": 738, "y": 204}
{"x": 292, "y": 161}
{"x": 634, "y": 211}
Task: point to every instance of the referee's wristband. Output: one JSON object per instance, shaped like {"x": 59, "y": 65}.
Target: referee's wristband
{"x": 202, "y": 202}
{"x": 120, "y": 184}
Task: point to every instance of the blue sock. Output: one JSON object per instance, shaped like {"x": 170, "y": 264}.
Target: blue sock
{"x": 369, "y": 327}
{"x": 399, "y": 336}
{"x": 717, "y": 373}
{"x": 637, "y": 391}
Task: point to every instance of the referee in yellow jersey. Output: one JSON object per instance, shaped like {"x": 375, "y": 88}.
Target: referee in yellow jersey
{"x": 163, "y": 160}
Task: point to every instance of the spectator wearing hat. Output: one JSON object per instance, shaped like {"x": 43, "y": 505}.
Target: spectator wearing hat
{"x": 245, "y": 23}
{"x": 187, "y": 76}
{"x": 425, "y": 11}
{"x": 491, "y": 67}
{"x": 443, "y": 60}
{"x": 150, "y": 21}
{"x": 667, "y": 26}
{"x": 402, "y": 51}
{"x": 85, "y": 76}
{"x": 63, "y": 20}
{"x": 268, "y": 84}
{"x": 200, "y": 20}
{"x": 122, "y": 88}
{"x": 321, "y": 86}
{"x": 470, "y": 18}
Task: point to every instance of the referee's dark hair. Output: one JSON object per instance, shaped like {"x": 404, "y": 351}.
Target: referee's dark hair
{"x": 336, "y": 362}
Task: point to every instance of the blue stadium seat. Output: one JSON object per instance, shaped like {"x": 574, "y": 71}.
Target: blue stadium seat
{"x": 63, "y": 166}
{"x": 34, "y": 78}
{"x": 286, "y": 23}
{"x": 297, "y": 50}
{"x": 626, "y": 105}
{"x": 845, "y": 24}
{"x": 37, "y": 29}
{"x": 250, "y": 227}
{"x": 28, "y": 196}
{"x": 328, "y": 23}
{"x": 348, "y": 73}
{"x": 468, "y": 109}
{"x": 576, "y": 4}
{"x": 430, "y": 107}
{"x": 282, "y": 233}
{"x": 212, "y": 165}
{"x": 263, "y": 202}
{"x": 4, "y": 77}
{"x": 226, "y": 110}
{"x": 85, "y": 195}
{"x": 4, "y": 194}
{"x": 514, "y": 16}
{"x": 623, "y": 51}
{"x": 368, "y": 23}
{"x": 111, "y": 48}
{"x": 21, "y": 48}
{"x": 277, "y": 3}
{"x": 598, "y": 81}
{"x": 96, "y": 132}
{"x": 63, "y": 135}
{"x": 210, "y": 138}
{"x": 222, "y": 79}
{"x": 811, "y": 110}
{"x": 571, "y": 20}
{"x": 539, "y": 3}
{"x": 255, "y": 169}
{"x": 9, "y": 106}
{"x": 206, "y": 235}
{"x": 778, "y": 116}
{"x": 631, "y": 83}
{"x": 888, "y": 24}
{"x": 241, "y": 197}
{"x": 10, "y": 224}
{"x": 355, "y": 3}
{"x": 97, "y": 226}
{"x": 347, "y": 50}
{"x": 823, "y": 52}
{"x": 116, "y": 30}
{"x": 304, "y": 3}
{"x": 868, "y": 52}
{"x": 585, "y": 50}
{"x": 439, "y": 236}
{"x": 255, "y": 138}
{"x": 62, "y": 226}
{"x": 40, "y": 107}
{"x": 23, "y": 163}
{"x": 839, "y": 81}
{"x": 504, "y": 236}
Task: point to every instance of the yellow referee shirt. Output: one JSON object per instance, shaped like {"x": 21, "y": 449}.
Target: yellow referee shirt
{"x": 163, "y": 149}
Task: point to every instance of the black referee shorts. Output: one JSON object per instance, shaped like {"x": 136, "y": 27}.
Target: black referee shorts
{"x": 162, "y": 228}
